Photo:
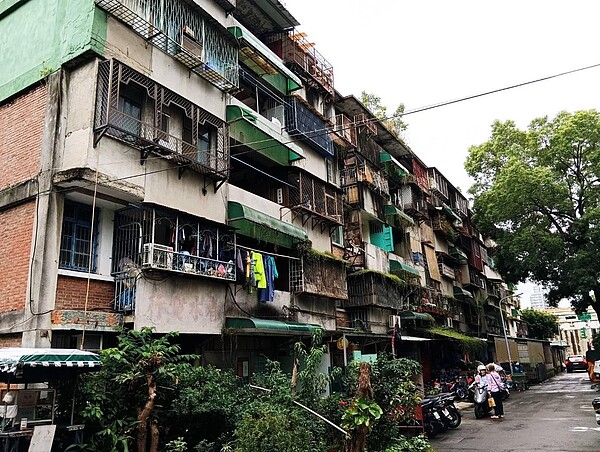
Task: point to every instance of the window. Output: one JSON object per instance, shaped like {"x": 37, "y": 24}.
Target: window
{"x": 337, "y": 236}
{"x": 130, "y": 105}
{"x": 76, "y": 244}
{"x": 205, "y": 145}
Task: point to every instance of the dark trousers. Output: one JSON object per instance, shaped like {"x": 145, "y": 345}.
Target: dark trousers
{"x": 498, "y": 409}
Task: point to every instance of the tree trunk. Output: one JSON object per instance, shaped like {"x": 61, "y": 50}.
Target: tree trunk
{"x": 295, "y": 374}
{"x": 144, "y": 415}
{"x": 155, "y": 436}
{"x": 358, "y": 437}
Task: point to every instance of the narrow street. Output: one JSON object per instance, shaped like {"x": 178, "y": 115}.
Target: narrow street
{"x": 556, "y": 415}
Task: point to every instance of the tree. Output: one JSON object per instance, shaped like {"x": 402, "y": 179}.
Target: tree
{"x": 540, "y": 325}
{"x": 132, "y": 383}
{"x": 394, "y": 123}
{"x": 537, "y": 195}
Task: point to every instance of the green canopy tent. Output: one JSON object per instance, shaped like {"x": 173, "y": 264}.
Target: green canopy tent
{"x": 37, "y": 365}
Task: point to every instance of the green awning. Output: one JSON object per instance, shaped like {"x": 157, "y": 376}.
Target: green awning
{"x": 412, "y": 315}
{"x": 260, "y": 134}
{"x": 36, "y": 365}
{"x": 264, "y": 62}
{"x": 459, "y": 292}
{"x": 396, "y": 266}
{"x": 396, "y": 217}
{"x": 252, "y": 223}
{"x": 392, "y": 166}
{"x": 275, "y": 326}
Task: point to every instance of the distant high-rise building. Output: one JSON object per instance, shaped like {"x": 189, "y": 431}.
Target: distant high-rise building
{"x": 537, "y": 299}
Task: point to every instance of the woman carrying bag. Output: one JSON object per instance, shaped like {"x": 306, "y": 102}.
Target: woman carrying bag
{"x": 496, "y": 388}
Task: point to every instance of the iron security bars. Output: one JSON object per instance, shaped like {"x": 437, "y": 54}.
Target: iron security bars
{"x": 123, "y": 119}
{"x": 184, "y": 31}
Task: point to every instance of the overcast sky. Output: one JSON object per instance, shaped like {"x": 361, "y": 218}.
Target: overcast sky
{"x": 426, "y": 52}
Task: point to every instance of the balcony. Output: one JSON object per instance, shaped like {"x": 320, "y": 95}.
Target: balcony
{"x": 393, "y": 168}
{"x": 374, "y": 289}
{"x": 261, "y": 135}
{"x": 297, "y": 51}
{"x": 263, "y": 62}
{"x": 320, "y": 276}
{"x": 304, "y": 124}
{"x": 186, "y": 33}
{"x": 364, "y": 174}
{"x": 314, "y": 199}
{"x": 148, "y": 239}
{"x": 115, "y": 79}
{"x": 345, "y": 132}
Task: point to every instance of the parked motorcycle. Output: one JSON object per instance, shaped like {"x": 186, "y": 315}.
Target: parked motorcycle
{"x": 432, "y": 421}
{"x": 443, "y": 405}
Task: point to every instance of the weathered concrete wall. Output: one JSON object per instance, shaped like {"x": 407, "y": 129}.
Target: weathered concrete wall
{"x": 38, "y": 36}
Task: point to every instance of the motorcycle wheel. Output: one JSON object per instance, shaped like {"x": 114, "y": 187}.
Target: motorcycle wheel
{"x": 456, "y": 418}
{"x": 461, "y": 393}
{"x": 479, "y": 411}
{"x": 443, "y": 425}
{"x": 431, "y": 429}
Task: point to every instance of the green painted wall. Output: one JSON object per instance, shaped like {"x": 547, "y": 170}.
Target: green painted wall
{"x": 38, "y": 36}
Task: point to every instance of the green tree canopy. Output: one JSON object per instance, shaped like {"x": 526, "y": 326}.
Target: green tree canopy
{"x": 394, "y": 123}
{"x": 537, "y": 195}
{"x": 540, "y": 324}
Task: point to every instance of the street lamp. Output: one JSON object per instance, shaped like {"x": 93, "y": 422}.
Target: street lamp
{"x": 504, "y": 328}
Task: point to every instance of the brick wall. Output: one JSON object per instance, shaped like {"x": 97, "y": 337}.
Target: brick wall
{"x": 70, "y": 294}
{"x": 11, "y": 340}
{"x": 21, "y": 130}
{"x": 16, "y": 226}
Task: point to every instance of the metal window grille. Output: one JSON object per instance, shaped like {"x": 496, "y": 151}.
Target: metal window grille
{"x": 296, "y": 276}
{"x": 76, "y": 243}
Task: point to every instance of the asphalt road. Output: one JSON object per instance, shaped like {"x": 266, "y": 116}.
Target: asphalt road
{"x": 556, "y": 415}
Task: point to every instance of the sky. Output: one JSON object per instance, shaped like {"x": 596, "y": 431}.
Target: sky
{"x": 426, "y": 52}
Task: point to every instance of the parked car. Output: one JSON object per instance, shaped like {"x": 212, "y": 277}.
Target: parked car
{"x": 576, "y": 362}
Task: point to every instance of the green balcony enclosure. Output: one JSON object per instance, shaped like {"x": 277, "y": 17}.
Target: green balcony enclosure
{"x": 259, "y": 134}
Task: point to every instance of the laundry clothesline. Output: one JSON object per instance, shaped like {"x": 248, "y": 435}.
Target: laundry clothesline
{"x": 268, "y": 253}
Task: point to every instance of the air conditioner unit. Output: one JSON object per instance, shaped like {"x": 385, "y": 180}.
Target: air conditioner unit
{"x": 157, "y": 256}
{"x": 449, "y": 322}
{"x": 192, "y": 46}
{"x": 392, "y": 321}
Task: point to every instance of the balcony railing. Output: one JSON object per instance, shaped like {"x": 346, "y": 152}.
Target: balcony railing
{"x": 314, "y": 197}
{"x": 151, "y": 138}
{"x": 211, "y": 53}
{"x": 297, "y": 50}
{"x": 365, "y": 174}
{"x": 125, "y": 288}
{"x": 149, "y": 239}
{"x": 446, "y": 270}
{"x": 301, "y": 122}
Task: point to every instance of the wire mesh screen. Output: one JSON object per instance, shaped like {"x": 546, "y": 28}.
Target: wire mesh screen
{"x": 316, "y": 196}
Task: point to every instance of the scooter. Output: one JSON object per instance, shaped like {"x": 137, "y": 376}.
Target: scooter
{"x": 480, "y": 398}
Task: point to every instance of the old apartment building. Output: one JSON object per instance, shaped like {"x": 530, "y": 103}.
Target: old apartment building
{"x": 189, "y": 166}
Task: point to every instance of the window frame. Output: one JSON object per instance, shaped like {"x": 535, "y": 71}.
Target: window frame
{"x": 78, "y": 222}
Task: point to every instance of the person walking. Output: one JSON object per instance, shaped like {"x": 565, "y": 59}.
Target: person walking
{"x": 496, "y": 388}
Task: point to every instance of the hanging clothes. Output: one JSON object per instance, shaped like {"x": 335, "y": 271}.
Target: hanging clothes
{"x": 250, "y": 275}
{"x": 268, "y": 293}
{"x": 259, "y": 271}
